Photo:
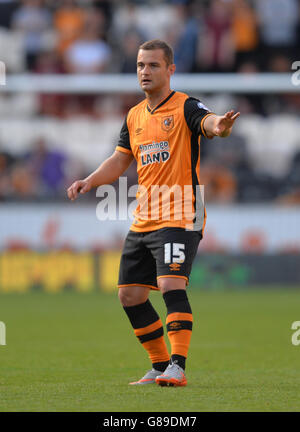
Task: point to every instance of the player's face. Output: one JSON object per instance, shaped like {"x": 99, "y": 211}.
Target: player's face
{"x": 152, "y": 70}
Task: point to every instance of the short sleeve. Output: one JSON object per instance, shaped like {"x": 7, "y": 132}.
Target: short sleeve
{"x": 124, "y": 140}
{"x": 195, "y": 113}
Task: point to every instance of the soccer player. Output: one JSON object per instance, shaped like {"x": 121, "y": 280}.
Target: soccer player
{"x": 163, "y": 134}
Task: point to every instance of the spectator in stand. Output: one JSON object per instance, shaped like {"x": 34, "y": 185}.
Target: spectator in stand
{"x": 290, "y": 190}
{"x": 68, "y": 22}
{"x": 184, "y": 36}
{"x": 279, "y": 63}
{"x": 245, "y": 31}
{"x": 24, "y": 184}
{"x": 90, "y": 53}
{"x": 125, "y": 18}
{"x": 51, "y": 104}
{"x": 128, "y": 34}
{"x": 6, "y": 162}
{"x": 34, "y": 21}
{"x": 106, "y": 7}
{"x": 151, "y": 19}
{"x": 129, "y": 46}
{"x": 48, "y": 167}
{"x": 219, "y": 182}
{"x": 216, "y": 47}
{"x": 236, "y": 175}
{"x": 278, "y": 21}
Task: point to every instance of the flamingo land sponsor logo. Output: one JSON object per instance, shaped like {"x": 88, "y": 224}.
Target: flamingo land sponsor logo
{"x": 155, "y": 152}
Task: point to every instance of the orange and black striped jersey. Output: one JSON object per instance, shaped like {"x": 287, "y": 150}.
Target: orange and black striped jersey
{"x": 165, "y": 142}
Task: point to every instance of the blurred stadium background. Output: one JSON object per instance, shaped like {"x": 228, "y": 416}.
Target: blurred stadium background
{"x": 70, "y": 79}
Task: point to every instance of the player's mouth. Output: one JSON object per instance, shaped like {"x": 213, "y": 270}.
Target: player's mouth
{"x": 146, "y": 81}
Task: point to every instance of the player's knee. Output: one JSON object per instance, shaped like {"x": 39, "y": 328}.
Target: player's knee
{"x": 169, "y": 284}
{"x": 123, "y": 296}
{"x": 129, "y": 296}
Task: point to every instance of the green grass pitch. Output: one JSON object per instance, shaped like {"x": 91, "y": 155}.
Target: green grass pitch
{"x": 77, "y": 352}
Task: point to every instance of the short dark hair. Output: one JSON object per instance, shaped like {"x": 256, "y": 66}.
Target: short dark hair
{"x": 155, "y": 44}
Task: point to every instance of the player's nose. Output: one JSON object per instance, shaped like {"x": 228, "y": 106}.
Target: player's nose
{"x": 146, "y": 70}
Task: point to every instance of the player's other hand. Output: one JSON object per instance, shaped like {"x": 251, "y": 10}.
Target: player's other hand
{"x": 224, "y": 123}
{"x": 79, "y": 186}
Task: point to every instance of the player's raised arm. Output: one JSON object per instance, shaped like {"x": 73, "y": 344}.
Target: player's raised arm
{"x": 109, "y": 171}
{"x": 221, "y": 126}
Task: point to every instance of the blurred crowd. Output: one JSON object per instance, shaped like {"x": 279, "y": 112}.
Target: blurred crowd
{"x": 103, "y": 36}
{"x": 93, "y": 36}
{"x": 43, "y": 174}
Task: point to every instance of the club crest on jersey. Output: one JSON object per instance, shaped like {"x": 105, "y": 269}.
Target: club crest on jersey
{"x": 167, "y": 123}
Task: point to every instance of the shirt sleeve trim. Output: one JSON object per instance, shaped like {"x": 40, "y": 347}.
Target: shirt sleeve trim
{"x": 202, "y": 124}
{"x": 123, "y": 150}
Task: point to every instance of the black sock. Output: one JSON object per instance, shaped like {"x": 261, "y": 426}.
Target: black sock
{"x": 180, "y": 360}
{"x": 141, "y": 315}
{"x": 177, "y": 301}
{"x": 148, "y": 328}
{"x": 161, "y": 366}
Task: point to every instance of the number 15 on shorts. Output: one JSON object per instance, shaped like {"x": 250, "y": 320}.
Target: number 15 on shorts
{"x": 174, "y": 253}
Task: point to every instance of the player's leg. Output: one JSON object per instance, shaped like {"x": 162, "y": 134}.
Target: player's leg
{"x": 136, "y": 277}
{"x": 174, "y": 250}
{"x": 179, "y": 324}
{"x": 179, "y": 317}
{"x": 148, "y": 328}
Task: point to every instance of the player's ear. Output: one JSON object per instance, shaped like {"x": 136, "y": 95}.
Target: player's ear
{"x": 172, "y": 68}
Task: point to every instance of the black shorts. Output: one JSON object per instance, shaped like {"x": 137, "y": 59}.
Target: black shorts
{"x": 167, "y": 252}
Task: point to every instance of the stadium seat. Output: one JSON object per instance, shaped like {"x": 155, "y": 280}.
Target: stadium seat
{"x": 12, "y": 50}
{"x": 24, "y": 104}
